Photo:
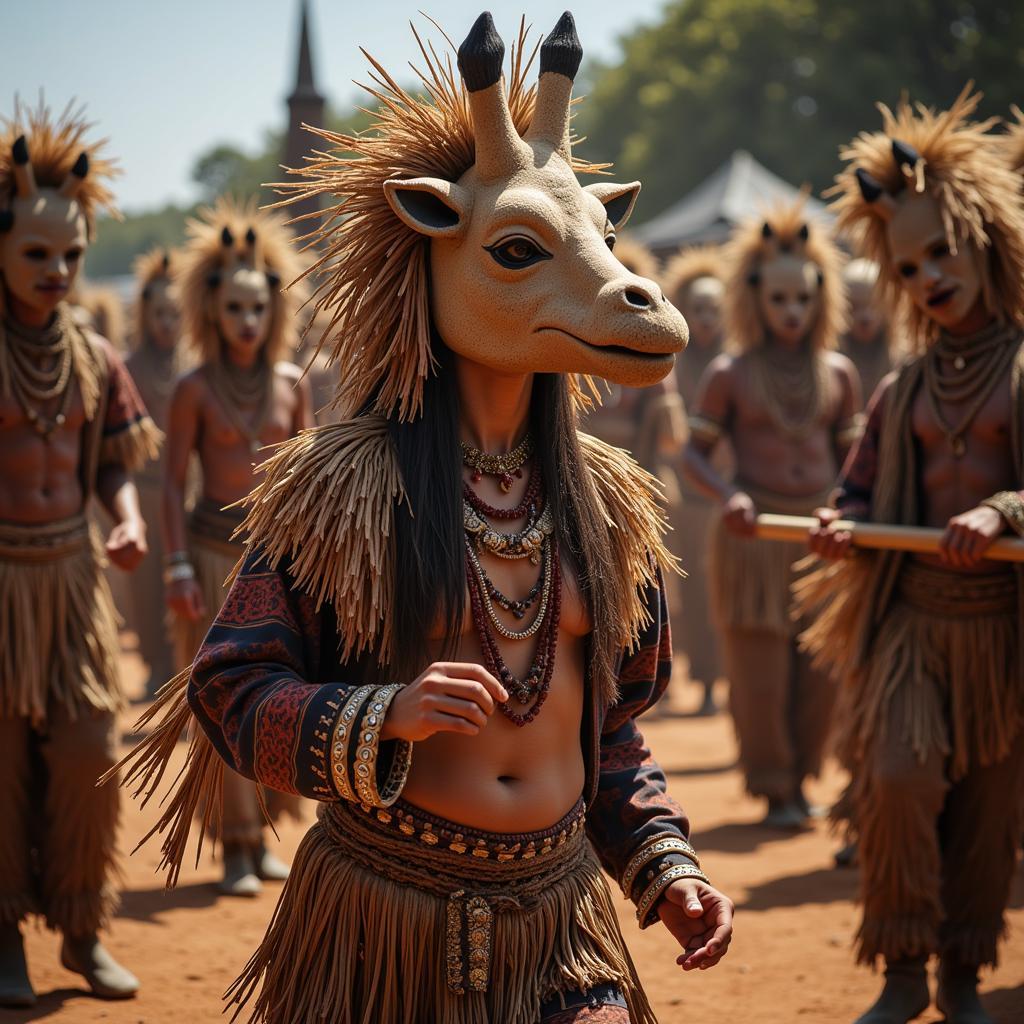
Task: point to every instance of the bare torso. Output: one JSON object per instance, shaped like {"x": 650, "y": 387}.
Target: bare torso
{"x": 39, "y": 479}
{"x": 507, "y": 778}
{"x": 950, "y": 486}
{"x": 767, "y": 458}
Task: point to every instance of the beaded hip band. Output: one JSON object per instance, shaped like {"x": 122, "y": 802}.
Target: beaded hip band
{"x": 44, "y": 542}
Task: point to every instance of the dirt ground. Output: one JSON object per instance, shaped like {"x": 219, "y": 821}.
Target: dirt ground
{"x": 790, "y": 960}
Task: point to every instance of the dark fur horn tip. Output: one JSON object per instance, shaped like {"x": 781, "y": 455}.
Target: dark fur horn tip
{"x": 226, "y": 238}
{"x": 80, "y": 168}
{"x": 481, "y": 54}
{"x": 766, "y": 230}
{"x": 19, "y": 151}
{"x": 562, "y": 51}
{"x": 903, "y": 153}
{"x": 165, "y": 263}
{"x": 6, "y": 220}
{"x": 213, "y": 279}
{"x": 273, "y": 278}
{"x": 804, "y": 233}
{"x": 250, "y": 236}
{"x": 870, "y": 188}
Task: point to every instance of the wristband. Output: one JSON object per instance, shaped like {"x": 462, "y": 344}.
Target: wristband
{"x": 364, "y": 771}
{"x": 657, "y": 888}
{"x": 652, "y": 850}
{"x": 340, "y": 741}
{"x": 179, "y": 572}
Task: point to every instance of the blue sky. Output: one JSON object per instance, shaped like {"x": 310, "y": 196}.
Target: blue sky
{"x": 166, "y": 79}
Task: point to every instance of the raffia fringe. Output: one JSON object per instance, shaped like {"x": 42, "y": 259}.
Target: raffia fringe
{"x": 974, "y": 946}
{"x": 16, "y": 907}
{"x": 60, "y": 634}
{"x": 326, "y": 502}
{"x": 348, "y": 946}
{"x": 82, "y": 913}
{"x": 750, "y": 582}
{"x": 133, "y": 447}
{"x": 896, "y": 938}
{"x": 196, "y": 791}
{"x": 630, "y": 499}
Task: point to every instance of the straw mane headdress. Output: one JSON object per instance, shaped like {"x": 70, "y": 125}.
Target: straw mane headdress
{"x": 689, "y": 265}
{"x": 373, "y": 274}
{"x": 225, "y": 236}
{"x": 783, "y": 230}
{"x": 978, "y": 194}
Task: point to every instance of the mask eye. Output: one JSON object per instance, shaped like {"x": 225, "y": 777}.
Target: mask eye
{"x": 908, "y": 269}
{"x": 36, "y": 254}
{"x": 517, "y": 253}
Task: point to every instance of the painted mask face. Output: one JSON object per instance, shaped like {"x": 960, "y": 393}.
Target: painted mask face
{"x": 945, "y": 285}
{"x": 703, "y": 311}
{"x": 866, "y": 316}
{"x": 243, "y": 311}
{"x": 41, "y": 255}
{"x": 523, "y": 278}
{"x": 161, "y": 316}
{"x": 788, "y": 298}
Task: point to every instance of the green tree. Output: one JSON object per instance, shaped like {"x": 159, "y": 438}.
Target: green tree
{"x": 789, "y": 80}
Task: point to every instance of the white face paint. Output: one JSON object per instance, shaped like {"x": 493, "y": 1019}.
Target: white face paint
{"x": 866, "y": 315}
{"x": 41, "y": 255}
{"x": 945, "y": 285}
{"x": 161, "y": 316}
{"x": 244, "y": 312}
{"x": 788, "y": 297}
{"x": 702, "y": 308}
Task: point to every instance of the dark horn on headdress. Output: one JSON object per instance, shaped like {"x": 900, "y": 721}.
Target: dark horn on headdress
{"x": 905, "y": 155}
{"x": 870, "y": 188}
{"x": 804, "y": 233}
{"x": 73, "y": 182}
{"x": 165, "y": 263}
{"x": 226, "y": 238}
{"x": 250, "y": 236}
{"x": 562, "y": 51}
{"x": 766, "y": 230}
{"x": 481, "y": 54}
{"x": 24, "y": 176}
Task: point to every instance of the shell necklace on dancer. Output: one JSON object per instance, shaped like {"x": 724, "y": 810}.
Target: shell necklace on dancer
{"x": 535, "y": 542}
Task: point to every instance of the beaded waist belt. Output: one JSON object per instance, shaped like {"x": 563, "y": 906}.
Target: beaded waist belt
{"x": 959, "y": 595}
{"x": 44, "y": 542}
{"x": 479, "y": 874}
{"x": 213, "y": 527}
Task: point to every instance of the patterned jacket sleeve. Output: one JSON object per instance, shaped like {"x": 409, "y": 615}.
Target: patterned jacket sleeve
{"x": 258, "y": 692}
{"x": 637, "y": 829}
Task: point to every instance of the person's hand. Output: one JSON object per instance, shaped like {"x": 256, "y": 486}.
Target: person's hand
{"x": 825, "y": 540}
{"x": 700, "y": 919}
{"x": 739, "y": 515}
{"x": 126, "y": 545}
{"x": 447, "y": 697}
{"x": 967, "y": 537}
{"x": 185, "y": 599}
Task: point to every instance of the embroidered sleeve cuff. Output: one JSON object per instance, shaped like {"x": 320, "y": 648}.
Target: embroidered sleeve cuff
{"x": 673, "y": 867}
{"x": 363, "y": 769}
{"x": 649, "y": 864}
{"x": 1010, "y": 505}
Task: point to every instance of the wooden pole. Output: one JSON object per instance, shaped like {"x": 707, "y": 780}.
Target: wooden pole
{"x": 881, "y": 536}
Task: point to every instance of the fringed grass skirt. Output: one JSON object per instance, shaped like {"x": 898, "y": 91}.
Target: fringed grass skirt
{"x": 401, "y": 918}
{"x": 58, "y": 637}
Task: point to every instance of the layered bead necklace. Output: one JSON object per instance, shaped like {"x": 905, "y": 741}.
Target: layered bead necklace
{"x": 535, "y": 542}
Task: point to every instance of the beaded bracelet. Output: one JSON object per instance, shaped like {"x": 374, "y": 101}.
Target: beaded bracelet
{"x": 655, "y": 890}
{"x": 341, "y": 739}
{"x": 651, "y": 850}
{"x": 179, "y": 572}
{"x": 177, "y": 558}
{"x": 364, "y": 772}
{"x": 1010, "y": 505}
{"x": 704, "y": 429}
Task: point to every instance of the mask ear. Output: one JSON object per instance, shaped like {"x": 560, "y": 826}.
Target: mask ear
{"x": 431, "y": 206}
{"x": 618, "y": 200}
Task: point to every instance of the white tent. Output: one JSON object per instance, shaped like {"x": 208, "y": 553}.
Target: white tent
{"x": 740, "y": 188}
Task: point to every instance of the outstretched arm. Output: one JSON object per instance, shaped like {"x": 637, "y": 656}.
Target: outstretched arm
{"x": 640, "y": 833}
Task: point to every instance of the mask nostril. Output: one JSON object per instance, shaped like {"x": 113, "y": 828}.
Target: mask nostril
{"x": 637, "y": 298}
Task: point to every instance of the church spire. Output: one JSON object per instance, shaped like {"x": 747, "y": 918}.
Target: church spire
{"x": 305, "y": 86}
